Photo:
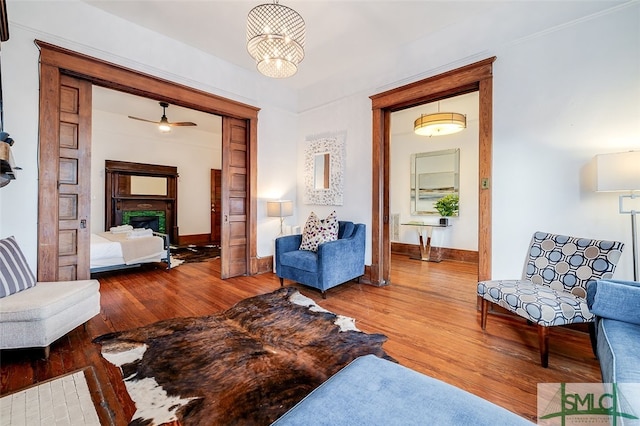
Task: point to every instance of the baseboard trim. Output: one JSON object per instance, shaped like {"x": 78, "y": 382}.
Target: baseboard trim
{"x": 264, "y": 264}
{"x": 413, "y": 250}
{"x": 195, "y": 239}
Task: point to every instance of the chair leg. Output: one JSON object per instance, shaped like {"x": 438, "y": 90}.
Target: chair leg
{"x": 543, "y": 341}
{"x": 484, "y": 310}
{"x": 281, "y": 282}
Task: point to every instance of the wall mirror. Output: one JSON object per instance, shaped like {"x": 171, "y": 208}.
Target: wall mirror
{"x": 433, "y": 175}
{"x": 323, "y": 167}
{"x": 142, "y": 185}
{"x": 148, "y": 185}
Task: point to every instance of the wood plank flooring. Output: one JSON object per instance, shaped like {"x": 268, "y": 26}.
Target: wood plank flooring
{"x": 428, "y": 313}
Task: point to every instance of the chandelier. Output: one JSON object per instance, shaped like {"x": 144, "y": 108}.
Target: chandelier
{"x": 275, "y": 39}
{"x": 440, "y": 123}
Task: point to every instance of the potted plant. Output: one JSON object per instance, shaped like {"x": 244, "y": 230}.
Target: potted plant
{"x": 447, "y": 206}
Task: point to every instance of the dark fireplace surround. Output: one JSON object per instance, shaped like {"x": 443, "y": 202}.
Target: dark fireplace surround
{"x": 158, "y": 212}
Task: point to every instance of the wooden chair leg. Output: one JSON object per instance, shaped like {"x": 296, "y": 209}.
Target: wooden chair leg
{"x": 484, "y": 310}
{"x": 281, "y": 282}
{"x": 543, "y": 341}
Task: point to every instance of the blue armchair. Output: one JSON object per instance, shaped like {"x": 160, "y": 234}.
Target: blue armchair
{"x": 334, "y": 263}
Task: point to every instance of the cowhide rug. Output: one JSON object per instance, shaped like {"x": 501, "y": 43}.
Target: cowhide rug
{"x": 246, "y": 365}
{"x": 192, "y": 254}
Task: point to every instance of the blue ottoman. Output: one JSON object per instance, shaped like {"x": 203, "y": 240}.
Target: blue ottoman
{"x": 374, "y": 391}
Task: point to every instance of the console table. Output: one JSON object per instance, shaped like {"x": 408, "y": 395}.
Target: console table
{"x": 425, "y": 230}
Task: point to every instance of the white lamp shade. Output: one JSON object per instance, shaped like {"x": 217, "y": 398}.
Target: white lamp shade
{"x": 280, "y": 208}
{"x": 618, "y": 171}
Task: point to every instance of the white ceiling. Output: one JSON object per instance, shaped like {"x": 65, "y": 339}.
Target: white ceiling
{"x": 340, "y": 35}
{"x": 126, "y": 104}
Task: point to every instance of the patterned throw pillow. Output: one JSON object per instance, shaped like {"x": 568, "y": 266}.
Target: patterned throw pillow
{"x": 318, "y": 231}
{"x": 15, "y": 274}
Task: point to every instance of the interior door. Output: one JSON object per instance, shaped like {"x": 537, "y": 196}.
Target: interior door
{"x": 235, "y": 248}
{"x": 216, "y": 203}
{"x": 65, "y": 150}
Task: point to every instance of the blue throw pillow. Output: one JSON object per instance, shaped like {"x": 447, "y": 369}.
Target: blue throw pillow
{"x": 15, "y": 274}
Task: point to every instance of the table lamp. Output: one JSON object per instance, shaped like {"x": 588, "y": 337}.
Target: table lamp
{"x": 620, "y": 172}
{"x": 281, "y": 209}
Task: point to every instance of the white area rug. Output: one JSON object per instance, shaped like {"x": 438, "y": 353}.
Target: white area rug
{"x": 62, "y": 401}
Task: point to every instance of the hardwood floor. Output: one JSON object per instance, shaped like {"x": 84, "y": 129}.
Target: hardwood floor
{"x": 428, "y": 313}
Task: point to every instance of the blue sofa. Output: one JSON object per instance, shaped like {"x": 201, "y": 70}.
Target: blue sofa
{"x": 373, "y": 391}
{"x": 334, "y": 263}
{"x": 616, "y": 305}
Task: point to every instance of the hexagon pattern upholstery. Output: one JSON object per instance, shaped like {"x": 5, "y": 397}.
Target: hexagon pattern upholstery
{"x": 553, "y": 286}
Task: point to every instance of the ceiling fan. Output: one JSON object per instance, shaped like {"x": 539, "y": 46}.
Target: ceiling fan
{"x": 164, "y": 125}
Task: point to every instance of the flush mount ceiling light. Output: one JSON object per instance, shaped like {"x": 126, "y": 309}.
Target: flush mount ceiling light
{"x": 439, "y": 123}
{"x": 275, "y": 39}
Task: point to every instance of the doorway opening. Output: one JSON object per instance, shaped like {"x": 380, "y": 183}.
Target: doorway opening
{"x": 474, "y": 77}
{"x": 65, "y": 81}
{"x": 423, "y": 170}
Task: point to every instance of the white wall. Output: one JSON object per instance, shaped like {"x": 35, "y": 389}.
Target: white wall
{"x": 353, "y": 116}
{"x": 88, "y": 30}
{"x": 193, "y": 152}
{"x": 463, "y": 232}
{"x": 561, "y": 96}
{"x": 555, "y": 83}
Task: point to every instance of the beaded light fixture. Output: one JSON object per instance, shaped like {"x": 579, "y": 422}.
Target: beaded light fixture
{"x": 275, "y": 39}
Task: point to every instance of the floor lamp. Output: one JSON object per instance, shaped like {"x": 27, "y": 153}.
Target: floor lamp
{"x": 620, "y": 172}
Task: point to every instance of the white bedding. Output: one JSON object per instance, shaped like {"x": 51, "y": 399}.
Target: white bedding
{"x": 104, "y": 252}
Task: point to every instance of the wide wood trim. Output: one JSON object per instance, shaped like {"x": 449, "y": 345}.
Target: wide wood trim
{"x": 103, "y": 73}
{"x": 476, "y": 76}
{"x": 55, "y": 61}
{"x": 252, "y": 194}
{"x": 451, "y": 83}
{"x": 485, "y": 171}
{"x": 48, "y": 173}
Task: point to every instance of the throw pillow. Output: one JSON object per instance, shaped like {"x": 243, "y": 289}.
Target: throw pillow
{"x": 317, "y": 231}
{"x": 15, "y": 274}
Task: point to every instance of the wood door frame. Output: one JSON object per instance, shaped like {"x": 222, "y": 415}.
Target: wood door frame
{"x": 56, "y": 61}
{"x": 474, "y": 77}
{"x": 217, "y": 224}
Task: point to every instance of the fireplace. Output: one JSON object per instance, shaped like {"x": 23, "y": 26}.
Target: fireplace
{"x": 147, "y": 222}
{"x": 149, "y": 207}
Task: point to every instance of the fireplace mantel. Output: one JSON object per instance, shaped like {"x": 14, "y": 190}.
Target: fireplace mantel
{"x": 148, "y": 189}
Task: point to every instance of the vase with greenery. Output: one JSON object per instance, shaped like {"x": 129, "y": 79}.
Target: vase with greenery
{"x": 447, "y": 206}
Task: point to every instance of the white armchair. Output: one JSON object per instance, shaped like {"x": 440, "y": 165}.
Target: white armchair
{"x": 36, "y": 314}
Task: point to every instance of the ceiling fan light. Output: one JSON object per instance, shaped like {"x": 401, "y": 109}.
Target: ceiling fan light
{"x": 164, "y": 126}
{"x": 275, "y": 34}
{"x": 439, "y": 124}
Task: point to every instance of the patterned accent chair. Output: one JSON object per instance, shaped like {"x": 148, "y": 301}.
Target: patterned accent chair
{"x": 552, "y": 290}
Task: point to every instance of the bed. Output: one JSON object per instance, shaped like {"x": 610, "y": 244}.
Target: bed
{"x": 120, "y": 250}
